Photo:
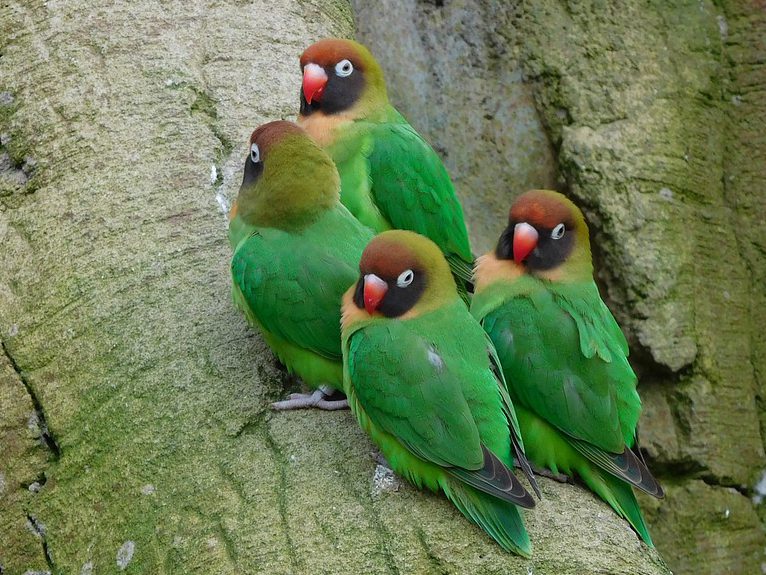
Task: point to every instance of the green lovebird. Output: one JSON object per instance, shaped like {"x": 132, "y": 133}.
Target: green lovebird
{"x": 390, "y": 176}
{"x": 423, "y": 379}
{"x": 562, "y": 352}
{"x": 296, "y": 250}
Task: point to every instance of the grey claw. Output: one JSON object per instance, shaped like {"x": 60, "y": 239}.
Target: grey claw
{"x": 317, "y": 399}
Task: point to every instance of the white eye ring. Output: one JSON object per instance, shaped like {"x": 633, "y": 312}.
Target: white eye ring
{"x": 344, "y": 68}
{"x": 405, "y": 278}
{"x": 558, "y": 232}
{"x": 255, "y": 154}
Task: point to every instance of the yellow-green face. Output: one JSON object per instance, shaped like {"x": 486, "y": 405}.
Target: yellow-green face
{"x": 286, "y": 177}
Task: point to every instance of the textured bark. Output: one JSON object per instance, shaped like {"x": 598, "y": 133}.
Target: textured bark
{"x": 135, "y": 430}
{"x": 656, "y": 116}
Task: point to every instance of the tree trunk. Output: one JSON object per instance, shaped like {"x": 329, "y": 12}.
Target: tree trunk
{"x": 134, "y": 422}
{"x": 652, "y": 117}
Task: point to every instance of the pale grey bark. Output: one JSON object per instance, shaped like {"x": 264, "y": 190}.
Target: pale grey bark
{"x": 651, "y": 116}
{"x": 135, "y": 428}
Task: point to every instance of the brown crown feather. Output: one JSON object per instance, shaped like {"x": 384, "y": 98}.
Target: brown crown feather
{"x": 268, "y": 134}
{"x": 543, "y": 209}
{"x": 328, "y": 52}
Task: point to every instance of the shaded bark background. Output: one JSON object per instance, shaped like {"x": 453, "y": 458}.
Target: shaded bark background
{"x": 135, "y": 433}
{"x": 652, "y": 117}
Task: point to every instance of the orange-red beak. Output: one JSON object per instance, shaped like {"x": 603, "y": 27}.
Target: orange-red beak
{"x": 314, "y": 82}
{"x": 374, "y": 291}
{"x": 524, "y": 241}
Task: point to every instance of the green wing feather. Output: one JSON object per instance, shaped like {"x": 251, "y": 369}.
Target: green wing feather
{"x": 410, "y": 398}
{"x": 599, "y": 333}
{"x": 392, "y": 178}
{"x": 442, "y": 408}
{"x": 413, "y": 190}
{"x": 564, "y": 358}
{"x": 437, "y": 417}
{"x": 293, "y": 282}
{"x": 538, "y": 346}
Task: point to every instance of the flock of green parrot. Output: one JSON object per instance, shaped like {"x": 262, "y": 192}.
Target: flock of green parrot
{"x": 458, "y": 371}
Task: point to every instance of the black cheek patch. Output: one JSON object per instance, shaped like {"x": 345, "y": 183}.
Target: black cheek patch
{"x": 549, "y": 252}
{"x": 504, "y": 249}
{"x": 252, "y": 172}
{"x": 399, "y": 301}
{"x": 359, "y": 294}
{"x": 341, "y": 93}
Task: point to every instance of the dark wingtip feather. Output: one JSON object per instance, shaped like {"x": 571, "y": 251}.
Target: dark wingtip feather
{"x": 526, "y": 468}
{"x": 494, "y": 478}
{"x": 626, "y": 466}
{"x": 638, "y": 474}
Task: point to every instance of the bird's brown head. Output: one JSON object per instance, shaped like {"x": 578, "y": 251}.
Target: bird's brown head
{"x": 400, "y": 273}
{"x": 287, "y": 177}
{"x": 545, "y": 231}
{"x": 340, "y": 76}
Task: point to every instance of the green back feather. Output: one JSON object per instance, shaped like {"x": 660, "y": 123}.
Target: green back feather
{"x": 392, "y": 178}
{"x": 564, "y": 357}
{"x": 293, "y": 282}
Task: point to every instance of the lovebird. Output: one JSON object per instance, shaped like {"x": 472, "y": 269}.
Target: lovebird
{"x": 562, "y": 352}
{"x": 296, "y": 250}
{"x": 423, "y": 380}
{"x": 390, "y": 176}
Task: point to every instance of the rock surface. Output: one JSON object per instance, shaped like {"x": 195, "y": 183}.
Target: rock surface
{"x": 134, "y": 425}
{"x": 652, "y": 117}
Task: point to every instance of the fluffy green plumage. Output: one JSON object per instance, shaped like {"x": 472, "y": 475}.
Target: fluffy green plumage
{"x": 290, "y": 285}
{"x": 565, "y": 360}
{"x": 391, "y": 178}
{"x": 564, "y": 356}
{"x": 296, "y": 252}
{"x": 428, "y": 390}
{"x": 563, "y": 388}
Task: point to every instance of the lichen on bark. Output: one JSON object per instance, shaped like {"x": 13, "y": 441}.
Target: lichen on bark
{"x": 655, "y": 120}
{"x": 129, "y": 123}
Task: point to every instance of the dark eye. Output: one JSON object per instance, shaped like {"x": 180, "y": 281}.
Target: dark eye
{"x": 558, "y": 232}
{"x": 405, "y": 278}
{"x": 344, "y": 68}
{"x": 255, "y": 154}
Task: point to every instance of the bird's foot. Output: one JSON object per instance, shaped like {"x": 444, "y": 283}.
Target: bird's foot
{"x": 543, "y": 472}
{"x": 380, "y": 460}
{"x": 320, "y": 399}
{"x": 558, "y": 477}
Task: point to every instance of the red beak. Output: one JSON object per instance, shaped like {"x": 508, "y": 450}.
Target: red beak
{"x": 374, "y": 291}
{"x": 314, "y": 82}
{"x": 524, "y": 241}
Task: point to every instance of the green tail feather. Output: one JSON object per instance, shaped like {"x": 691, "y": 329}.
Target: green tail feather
{"x": 462, "y": 272}
{"x": 500, "y": 519}
{"x": 620, "y": 496}
{"x": 463, "y": 292}
{"x": 547, "y": 447}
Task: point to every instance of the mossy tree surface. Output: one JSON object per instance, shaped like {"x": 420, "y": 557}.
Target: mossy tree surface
{"x": 654, "y": 119}
{"x": 134, "y": 425}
